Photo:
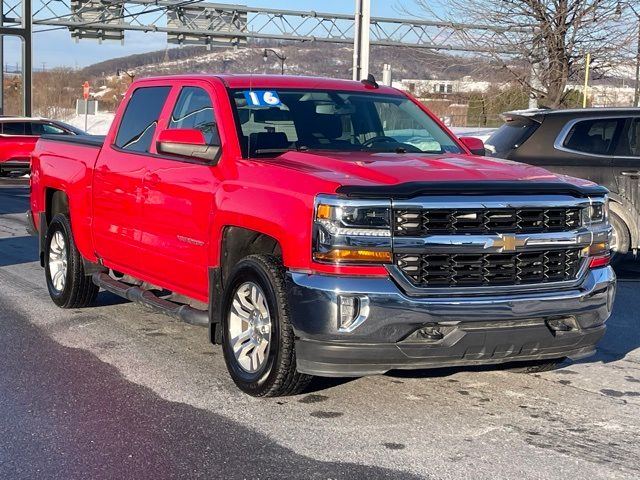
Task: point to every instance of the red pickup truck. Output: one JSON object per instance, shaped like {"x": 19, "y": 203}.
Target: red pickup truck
{"x": 322, "y": 227}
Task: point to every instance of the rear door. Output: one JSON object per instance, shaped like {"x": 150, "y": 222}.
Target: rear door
{"x": 179, "y": 196}
{"x": 118, "y": 180}
{"x": 16, "y": 142}
{"x": 626, "y": 163}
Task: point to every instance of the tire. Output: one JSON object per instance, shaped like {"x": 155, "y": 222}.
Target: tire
{"x": 276, "y": 374}
{"x": 67, "y": 283}
{"x": 536, "y": 366}
{"x": 622, "y": 239}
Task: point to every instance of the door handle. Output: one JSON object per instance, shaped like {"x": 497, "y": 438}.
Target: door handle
{"x": 630, "y": 173}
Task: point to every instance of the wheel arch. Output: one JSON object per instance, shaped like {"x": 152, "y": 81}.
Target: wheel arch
{"x": 236, "y": 243}
{"x": 55, "y": 201}
{"x": 629, "y": 215}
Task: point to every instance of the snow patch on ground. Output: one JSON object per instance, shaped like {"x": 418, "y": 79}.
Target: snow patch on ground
{"x": 96, "y": 124}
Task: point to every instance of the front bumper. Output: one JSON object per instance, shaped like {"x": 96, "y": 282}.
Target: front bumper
{"x": 475, "y": 329}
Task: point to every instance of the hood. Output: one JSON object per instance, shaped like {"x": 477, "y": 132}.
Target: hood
{"x": 376, "y": 169}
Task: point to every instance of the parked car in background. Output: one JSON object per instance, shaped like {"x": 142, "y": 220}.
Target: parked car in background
{"x": 598, "y": 144}
{"x": 18, "y": 137}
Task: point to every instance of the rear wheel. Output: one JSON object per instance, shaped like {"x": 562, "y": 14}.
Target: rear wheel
{"x": 257, "y": 337}
{"x": 620, "y": 239}
{"x": 67, "y": 283}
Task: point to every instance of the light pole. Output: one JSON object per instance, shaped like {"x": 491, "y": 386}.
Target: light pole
{"x": 636, "y": 12}
{"x": 279, "y": 56}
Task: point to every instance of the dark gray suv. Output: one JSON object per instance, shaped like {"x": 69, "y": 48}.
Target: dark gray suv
{"x": 599, "y": 144}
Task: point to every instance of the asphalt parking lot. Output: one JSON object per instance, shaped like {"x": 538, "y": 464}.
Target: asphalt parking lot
{"x": 117, "y": 392}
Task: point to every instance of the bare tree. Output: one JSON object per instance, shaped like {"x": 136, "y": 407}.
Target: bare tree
{"x": 548, "y": 39}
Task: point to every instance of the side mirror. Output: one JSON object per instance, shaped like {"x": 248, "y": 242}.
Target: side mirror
{"x": 187, "y": 143}
{"x": 475, "y": 145}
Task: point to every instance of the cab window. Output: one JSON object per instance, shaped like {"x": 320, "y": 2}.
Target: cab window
{"x": 46, "y": 129}
{"x": 15, "y": 128}
{"x": 140, "y": 118}
{"x": 194, "y": 111}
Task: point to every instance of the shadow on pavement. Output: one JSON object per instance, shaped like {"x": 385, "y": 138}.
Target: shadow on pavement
{"x": 18, "y": 250}
{"x": 14, "y": 200}
{"x": 66, "y": 414}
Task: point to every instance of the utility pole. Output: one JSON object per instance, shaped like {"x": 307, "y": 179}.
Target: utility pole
{"x": 585, "y": 93}
{"x": 27, "y": 58}
{"x": 361, "y": 39}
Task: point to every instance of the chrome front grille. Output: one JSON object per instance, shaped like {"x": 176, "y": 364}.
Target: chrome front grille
{"x": 431, "y": 270}
{"x": 420, "y": 222}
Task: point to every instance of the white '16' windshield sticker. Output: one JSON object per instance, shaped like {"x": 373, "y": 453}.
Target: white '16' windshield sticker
{"x": 262, "y": 98}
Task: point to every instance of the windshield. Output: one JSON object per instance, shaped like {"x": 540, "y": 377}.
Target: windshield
{"x": 272, "y": 122}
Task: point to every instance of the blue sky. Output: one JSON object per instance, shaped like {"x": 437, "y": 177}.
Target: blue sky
{"x": 56, "y": 48}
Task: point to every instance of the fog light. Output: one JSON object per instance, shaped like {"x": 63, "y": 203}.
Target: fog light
{"x": 431, "y": 332}
{"x": 352, "y": 312}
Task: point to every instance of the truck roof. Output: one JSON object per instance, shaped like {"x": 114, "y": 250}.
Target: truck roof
{"x": 280, "y": 81}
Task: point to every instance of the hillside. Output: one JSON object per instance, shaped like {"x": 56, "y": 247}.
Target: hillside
{"x": 322, "y": 59}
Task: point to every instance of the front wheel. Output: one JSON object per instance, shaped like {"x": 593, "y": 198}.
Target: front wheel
{"x": 67, "y": 283}
{"x": 257, "y": 337}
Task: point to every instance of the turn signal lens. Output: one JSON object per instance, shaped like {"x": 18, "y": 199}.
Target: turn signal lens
{"x": 323, "y": 212}
{"x": 345, "y": 255}
{"x": 599, "y": 248}
{"x": 597, "y": 262}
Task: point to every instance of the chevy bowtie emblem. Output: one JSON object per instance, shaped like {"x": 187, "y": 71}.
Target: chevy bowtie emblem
{"x": 508, "y": 243}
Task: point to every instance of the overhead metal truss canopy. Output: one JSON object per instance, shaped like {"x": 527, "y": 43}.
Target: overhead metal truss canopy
{"x": 195, "y": 22}
{"x": 216, "y": 24}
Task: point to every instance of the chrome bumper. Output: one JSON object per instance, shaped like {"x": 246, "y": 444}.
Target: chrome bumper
{"x": 475, "y": 329}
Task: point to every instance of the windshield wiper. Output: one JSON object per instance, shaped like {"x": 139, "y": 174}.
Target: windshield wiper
{"x": 276, "y": 151}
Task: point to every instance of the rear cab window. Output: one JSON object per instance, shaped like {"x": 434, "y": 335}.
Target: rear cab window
{"x": 140, "y": 119}
{"x": 511, "y": 135}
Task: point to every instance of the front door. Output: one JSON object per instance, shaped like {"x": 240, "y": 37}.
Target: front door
{"x": 179, "y": 199}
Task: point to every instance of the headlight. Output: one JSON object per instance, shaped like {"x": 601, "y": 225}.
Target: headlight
{"x": 351, "y": 231}
{"x": 597, "y": 212}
